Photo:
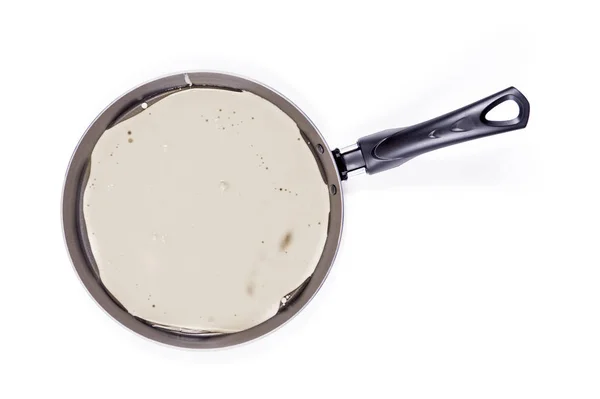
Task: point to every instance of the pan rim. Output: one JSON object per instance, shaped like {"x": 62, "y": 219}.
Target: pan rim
{"x": 182, "y": 80}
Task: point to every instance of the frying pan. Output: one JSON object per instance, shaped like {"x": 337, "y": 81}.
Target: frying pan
{"x": 371, "y": 154}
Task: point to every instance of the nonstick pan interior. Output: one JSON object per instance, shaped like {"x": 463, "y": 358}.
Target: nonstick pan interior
{"x": 128, "y": 106}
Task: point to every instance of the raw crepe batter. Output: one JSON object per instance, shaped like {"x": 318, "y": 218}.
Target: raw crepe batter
{"x": 205, "y": 210}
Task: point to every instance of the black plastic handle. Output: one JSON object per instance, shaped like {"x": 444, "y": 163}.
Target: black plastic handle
{"x": 393, "y": 147}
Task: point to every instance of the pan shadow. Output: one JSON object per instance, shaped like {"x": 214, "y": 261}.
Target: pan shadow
{"x": 487, "y": 167}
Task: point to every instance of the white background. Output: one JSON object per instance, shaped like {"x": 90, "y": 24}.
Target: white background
{"x": 471, "y": 272}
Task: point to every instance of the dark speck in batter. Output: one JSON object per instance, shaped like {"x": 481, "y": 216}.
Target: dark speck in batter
{"x": 286, "y": 241}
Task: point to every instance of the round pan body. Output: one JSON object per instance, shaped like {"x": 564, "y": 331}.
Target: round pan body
{"x": 127, "y": 106}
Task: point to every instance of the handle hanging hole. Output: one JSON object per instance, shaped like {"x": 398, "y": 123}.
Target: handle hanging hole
{"x": 505, "y": 111}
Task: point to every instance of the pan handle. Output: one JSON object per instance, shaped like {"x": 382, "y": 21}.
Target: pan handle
{"x": 390, "y": 148}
